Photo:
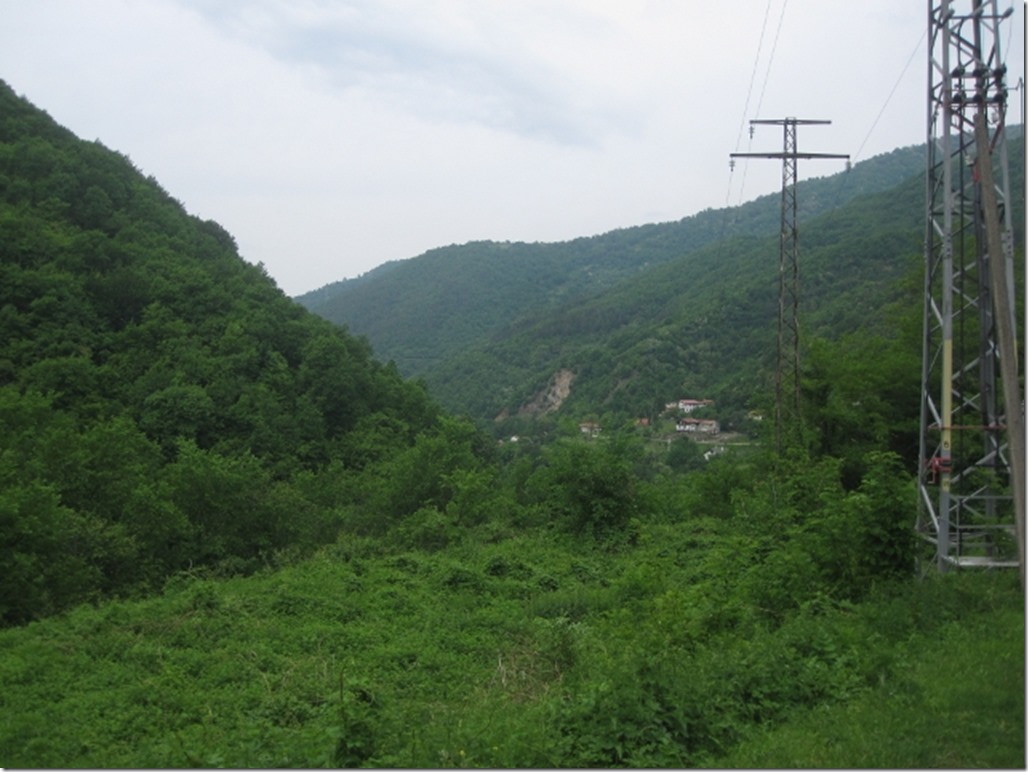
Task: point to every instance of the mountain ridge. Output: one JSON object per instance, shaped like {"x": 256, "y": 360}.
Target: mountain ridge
{"x": 423, "y": 309}
{"x": 719, "y": 294}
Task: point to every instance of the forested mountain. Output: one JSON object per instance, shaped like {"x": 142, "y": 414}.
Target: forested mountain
{"x": 419, "y": 312}
{"x": 162, "y": 402}
{"x": 637, "y": 317}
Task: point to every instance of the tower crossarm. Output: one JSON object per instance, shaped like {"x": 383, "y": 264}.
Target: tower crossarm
{"x": 790, "y": 155}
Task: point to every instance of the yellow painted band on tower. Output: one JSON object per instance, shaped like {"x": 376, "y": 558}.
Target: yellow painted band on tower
{"x": 947, "y": 412}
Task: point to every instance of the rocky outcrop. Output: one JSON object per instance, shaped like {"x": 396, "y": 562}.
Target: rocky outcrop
{"x": 551, "y": 397}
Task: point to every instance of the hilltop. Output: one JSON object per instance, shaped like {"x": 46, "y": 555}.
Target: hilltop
{"x": 422, "y": 310}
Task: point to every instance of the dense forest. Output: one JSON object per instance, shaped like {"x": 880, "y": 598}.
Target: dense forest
{"x": 162, "y": 403}
{"x": 233, "y": 537}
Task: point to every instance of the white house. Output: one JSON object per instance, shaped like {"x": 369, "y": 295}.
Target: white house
{"x": 699, "y": 425}
{"x": 688, "y": 405}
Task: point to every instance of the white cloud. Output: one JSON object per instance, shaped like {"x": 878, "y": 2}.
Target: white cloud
{"x": 329, "y": 137}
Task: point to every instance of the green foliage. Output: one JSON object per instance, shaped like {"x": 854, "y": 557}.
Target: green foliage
{"x": 356, "y": 744}
{"x": 46, "y": 550}
{"x": 165, "y": 404}
{"x": 870, "y": 538}
{"x": 684, "y": 456}
{"x": 853, "y": 406}
{"x": 590, "y": 488}
{"x": 815, "y": 537}
{"x": 432, "y": 473}
{"x": 939, "y": 702}
{"x": 231, "y": 538}
{"x": 376, "y": 656}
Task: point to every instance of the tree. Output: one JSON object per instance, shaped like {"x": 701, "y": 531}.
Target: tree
{"x": 591, "y": 488}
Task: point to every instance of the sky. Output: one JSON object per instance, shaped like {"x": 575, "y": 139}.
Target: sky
{"x": 331, "y": 136}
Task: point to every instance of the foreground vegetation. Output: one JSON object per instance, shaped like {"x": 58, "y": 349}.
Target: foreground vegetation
{"x": 759, "y": 636}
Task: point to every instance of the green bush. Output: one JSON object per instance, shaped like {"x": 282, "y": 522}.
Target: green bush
{"x": 590, "y": 488}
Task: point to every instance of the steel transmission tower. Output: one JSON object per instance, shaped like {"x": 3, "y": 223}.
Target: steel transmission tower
{"x": 966, "y": 501}
{"x": 787, "y": 370}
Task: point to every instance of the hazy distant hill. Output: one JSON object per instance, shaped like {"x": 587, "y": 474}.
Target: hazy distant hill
{"x": 421, "y": 311}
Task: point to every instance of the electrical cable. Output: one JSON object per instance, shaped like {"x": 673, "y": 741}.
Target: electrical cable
{"x": 771, "y": 59}
{"x": 753, "y": 75}
{"x": 742, "y": 119}
{"x": 842, "y": 191}
{"x": 763, "y": 89}
{"x": 892, "y": 93}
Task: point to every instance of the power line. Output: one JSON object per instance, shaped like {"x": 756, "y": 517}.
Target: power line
{"x": 763, "y": 89}
{"x": 742, "y": 119}
{"x": 895, "y": 86}
{"x": 843, "y": 189}
{"x": 753, "y": 74}
{"x": 771, "y": 59}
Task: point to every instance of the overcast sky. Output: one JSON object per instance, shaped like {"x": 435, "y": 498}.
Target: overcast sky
{"x": 330, "y": 136}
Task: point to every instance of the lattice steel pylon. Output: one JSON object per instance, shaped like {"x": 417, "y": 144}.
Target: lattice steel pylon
{"x": 787, "y": 370}
{"x": 966, "y": 507}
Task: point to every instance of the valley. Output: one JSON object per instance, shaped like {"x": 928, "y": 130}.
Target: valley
{"x": 501, "y": 505}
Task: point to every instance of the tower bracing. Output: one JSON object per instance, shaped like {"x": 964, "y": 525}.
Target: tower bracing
{"x": 787, "y": 371}
{"x": 965, "y": 483}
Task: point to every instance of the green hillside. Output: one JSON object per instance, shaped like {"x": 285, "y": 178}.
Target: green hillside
{"x": 699, "y": 326}
{"x": 642, "y": 316}
{"x": 231, "y": 537}
{"x": 422, "y": 311}
{"x": 162, "y": 403}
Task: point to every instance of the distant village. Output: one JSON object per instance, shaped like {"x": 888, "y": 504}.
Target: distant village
{"x": 684, "y": 422}
{"x": 687, "y": 424}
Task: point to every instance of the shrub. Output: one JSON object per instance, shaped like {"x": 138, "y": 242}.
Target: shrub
{"x": 590, "y": 488}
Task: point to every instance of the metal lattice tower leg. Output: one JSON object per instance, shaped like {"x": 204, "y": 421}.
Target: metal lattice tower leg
{"x": 787, "y": 372}
{"x": 965, "y": 502}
